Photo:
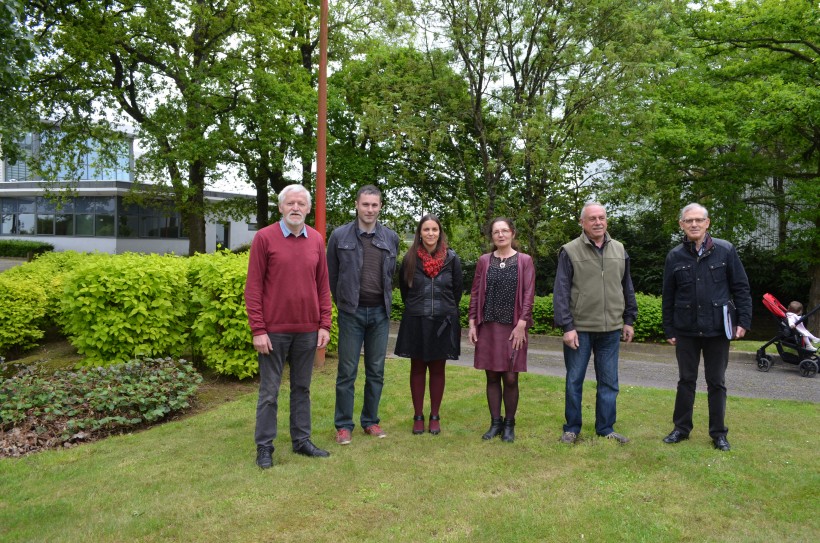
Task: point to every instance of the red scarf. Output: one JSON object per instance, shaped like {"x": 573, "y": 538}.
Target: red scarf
{"x": 432, "y": 263}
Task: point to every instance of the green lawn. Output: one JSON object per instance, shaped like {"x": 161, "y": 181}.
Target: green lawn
{"x": 195, "y": 479}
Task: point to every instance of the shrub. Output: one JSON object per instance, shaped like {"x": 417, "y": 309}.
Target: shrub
{"x": 20, "y": 248}
{"x": 126, "y": 307}
{"x": 22, "y": 311}
{"x": 649, "y": 326}
{"x": 49, "y": 270}
{"x": 397, "y": 310}
{"x": 49, "y": 410}
{"x": 220, "y": 326}
{"x": 543, "y": 316}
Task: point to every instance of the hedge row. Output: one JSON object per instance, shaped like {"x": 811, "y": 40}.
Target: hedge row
{"x": 649, "y": 326}
{"x": 118, "y": 308}
{"x": 19, "y": 248}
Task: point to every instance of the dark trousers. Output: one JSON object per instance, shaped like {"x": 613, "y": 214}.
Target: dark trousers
{"x": 300, "y": 350}
{"x": 715, "y": 359}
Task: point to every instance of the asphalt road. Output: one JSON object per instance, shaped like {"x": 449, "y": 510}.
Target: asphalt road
{"x": 655, "y": 366}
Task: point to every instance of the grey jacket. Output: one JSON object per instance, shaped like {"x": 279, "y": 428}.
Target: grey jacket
{"x": 344, "y": 264}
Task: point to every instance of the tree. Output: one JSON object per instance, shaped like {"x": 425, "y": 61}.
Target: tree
{"x": 162, "y": 66}
{"x": 17, "y": 50}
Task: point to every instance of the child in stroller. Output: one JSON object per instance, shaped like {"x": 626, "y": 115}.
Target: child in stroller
{"x": 789, "y": 341}
{"x": 793, "y": 316}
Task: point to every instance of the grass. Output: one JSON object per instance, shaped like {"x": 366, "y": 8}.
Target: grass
{"x": 195, "y": 480}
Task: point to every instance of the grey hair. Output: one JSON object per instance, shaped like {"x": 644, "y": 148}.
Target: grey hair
{"x": 296, "y": 187}
{"x": 590, "y": 204}
{"x": 692, "y": 207}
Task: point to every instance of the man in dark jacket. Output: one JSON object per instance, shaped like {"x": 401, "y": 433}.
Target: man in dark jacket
{"x": 703, "y": 281}
{"x": 361, "y": 259}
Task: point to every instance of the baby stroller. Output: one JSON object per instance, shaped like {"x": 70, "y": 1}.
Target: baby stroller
{"x": 789, "y": 342}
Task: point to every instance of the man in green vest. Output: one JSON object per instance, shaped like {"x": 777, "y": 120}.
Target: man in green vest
{"x": 594, "y": 304}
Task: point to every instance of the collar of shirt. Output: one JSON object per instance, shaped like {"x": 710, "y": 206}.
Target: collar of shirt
{"x": 286, "y": 231}
{"x": 364, "y": 233}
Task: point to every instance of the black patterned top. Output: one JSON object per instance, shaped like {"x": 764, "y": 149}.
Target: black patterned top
{"x": 502, "y": 284}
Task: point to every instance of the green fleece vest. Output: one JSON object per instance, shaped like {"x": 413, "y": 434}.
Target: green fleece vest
{"x": 597, "y": 294}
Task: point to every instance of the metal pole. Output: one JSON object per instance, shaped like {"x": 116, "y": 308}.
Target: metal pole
{"x": 321, "y": 134}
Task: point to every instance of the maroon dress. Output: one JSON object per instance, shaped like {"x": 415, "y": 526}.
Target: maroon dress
{"x": 501, "y": 296}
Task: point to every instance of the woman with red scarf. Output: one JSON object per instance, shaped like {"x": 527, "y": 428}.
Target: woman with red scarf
{"x": 430, "y": 281}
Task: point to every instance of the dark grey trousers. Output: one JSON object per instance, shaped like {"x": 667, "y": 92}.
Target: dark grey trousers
{"x": 299, "y": 350}
{"x": 715, "y": 352}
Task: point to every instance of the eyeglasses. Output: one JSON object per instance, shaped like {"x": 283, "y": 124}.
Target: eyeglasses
{"x": 502, "y": 232}
{"x": 698, "y": 220}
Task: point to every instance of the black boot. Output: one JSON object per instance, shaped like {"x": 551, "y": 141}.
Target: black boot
{"x": 495, "y": 428}
{"x": 509, "y": 431}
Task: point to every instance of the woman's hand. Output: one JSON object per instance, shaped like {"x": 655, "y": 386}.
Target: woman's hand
{"x": 519, "y": 335}
{"x": 472, "y": 333}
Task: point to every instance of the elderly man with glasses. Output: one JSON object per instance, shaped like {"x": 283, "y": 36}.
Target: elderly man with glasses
{"x": 706, "y": 303}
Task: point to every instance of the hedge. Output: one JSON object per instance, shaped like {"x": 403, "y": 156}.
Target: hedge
{"x": 20, "y": 248}
{"x": 23, "y": 304}
{"x": 126, "y": 307}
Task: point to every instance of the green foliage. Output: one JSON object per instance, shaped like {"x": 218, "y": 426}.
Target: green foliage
{"x": 543, "y": 316}
{"x": 20, "y": 248}
{"x": 464, "y": 311}
{"x": 22, "y": 309}
{"x": 397, "y": 310}
{"x": 96, "y": 401}
{"x": 49, "y": 270}
{"x": 129, "y": 306}
{"x": 649, "y": 325}
{"x": 220, "y": 327}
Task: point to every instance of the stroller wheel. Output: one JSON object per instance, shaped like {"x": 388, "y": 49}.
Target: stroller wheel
{"x": 808, "y": 368}
{"x": 764, "y": 362}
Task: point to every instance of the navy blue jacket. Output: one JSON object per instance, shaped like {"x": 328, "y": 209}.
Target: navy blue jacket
{"x": 695, "y": 289}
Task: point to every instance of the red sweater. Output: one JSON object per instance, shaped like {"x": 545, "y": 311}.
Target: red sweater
{"x": 287, "y": 290}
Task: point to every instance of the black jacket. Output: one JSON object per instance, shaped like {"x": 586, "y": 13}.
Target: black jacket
{"x": 433, "y": 296}
{"x": 344, "y": 264}
{"x": 695, "y": 289}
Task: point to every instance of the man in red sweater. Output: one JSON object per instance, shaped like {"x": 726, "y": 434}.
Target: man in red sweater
{"x": 287, "y": 296}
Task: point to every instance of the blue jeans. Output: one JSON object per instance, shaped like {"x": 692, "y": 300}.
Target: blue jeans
{"x": 605, "y": 346}
{"x": 368, "y": 327}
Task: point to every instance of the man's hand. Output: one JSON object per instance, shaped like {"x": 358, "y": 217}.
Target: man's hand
{"x": 262, "y": 344}
{"x": 740, "y": 332}
{"x": 571, "y": 339}
{"x": 628, "y": 333}
{"x": 324, "y": 338}
{"x": 671, "y": 341}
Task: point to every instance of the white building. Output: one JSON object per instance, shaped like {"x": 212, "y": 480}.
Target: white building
{"x": 96, "y": 217}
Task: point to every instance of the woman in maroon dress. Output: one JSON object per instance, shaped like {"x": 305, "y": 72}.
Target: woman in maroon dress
{"x": 500, "y": 313}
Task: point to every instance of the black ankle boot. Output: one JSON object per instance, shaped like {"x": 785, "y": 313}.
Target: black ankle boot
{"x": 509, "y": 431}
{"x": 495, "y": 428}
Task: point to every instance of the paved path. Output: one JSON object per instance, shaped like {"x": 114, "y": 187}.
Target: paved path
{"x": 655, "y": 366}
{"x": 6, "y": 263}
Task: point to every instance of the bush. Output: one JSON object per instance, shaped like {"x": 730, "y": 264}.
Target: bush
{"x": 220, "y": 327}
{"x": 20, "y": 248}
{"x": 649, "y": 326}
{"x": 129, "y": 306}
{"x": 68, "y": 406}
{"x": 543, "y": 317}
{"x": 49, "y": 270}
{"x": 23, "y": 304}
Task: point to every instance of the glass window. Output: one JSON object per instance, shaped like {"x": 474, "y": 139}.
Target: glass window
{"x": 6, "y": 223}
{"x": 149, "y": 227}
{"x": 44, "y": 205}
{"x": 104, "y": 225}
{"x": 8, "y": 205}
{"x": 129, "y": 226}
{"x": 83, "y": 225}
{"x": 25, "y": 205}
{"x": 45, "y": 225}
{"x": 25, "y": 224}
{"x": 64, "y": 225}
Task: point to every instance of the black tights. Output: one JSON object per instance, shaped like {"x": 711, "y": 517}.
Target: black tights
{"x": 510, "y": 393}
